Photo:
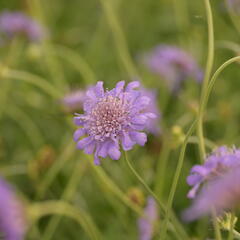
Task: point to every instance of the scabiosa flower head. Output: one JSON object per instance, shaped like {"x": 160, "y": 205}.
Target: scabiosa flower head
{"x": 112, "y": 117}
{"x": 222, "y": 193}
{"x": 152, "y": 125}
{"x": 73, "y": 101}
{"x": 12, "y": 219}
{"x": 17, "y": 23}
{"x": 222, "y": 160}
{"x": 173, "y": 64}
{"x": 146, "y": 223}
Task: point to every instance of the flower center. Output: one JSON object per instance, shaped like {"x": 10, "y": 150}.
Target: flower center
{"x": 108, "y": 118}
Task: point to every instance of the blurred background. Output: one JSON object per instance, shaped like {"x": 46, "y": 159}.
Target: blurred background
{"x": 107, "y": 40}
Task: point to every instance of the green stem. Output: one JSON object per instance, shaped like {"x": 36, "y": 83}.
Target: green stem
{"x": 215, "y": 76}
{"x": 208, "y": 143}
{"x": 53, "y": 171}
{"x": 39, "y": 210}
{"x": 51, "y": 62}
{"x": 236, "y": 234}
{"x": 28, "y": 126}
{"x": 216, "y": 226}
{"x": 232, "y": 225}
{"x": 11, "y": 59}
{"x": 161, "y": 167}
{"x": 175, "y": 180}
{"x": 34, "y": 80}
{"x": 110, "y": 185}
{"x": 181, "y": 18}
{"x": 161, "y": 205}
{"x": 209, "y": 66}
{"x": 77, "y": 62}
{"x": 234, "y": 18}
{"x": 190, "y": 131}
{"x": 119, "y": 38}
{"x": 66, "y": 196}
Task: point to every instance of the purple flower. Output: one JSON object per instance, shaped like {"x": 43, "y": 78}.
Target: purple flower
{"x": 152, "y": 125}
{"x": 234, "y": 5}
{"x": 12, "y": 220}
{"x": 222, "y": 193}
{"x": 173, "y": 64}
{"x": 222, "y": 160}
{"x": 112, "y": 117}
{"x": 146, "y": 223}
{"x": 17, "y": 23}
{"x": 73, "y": 101}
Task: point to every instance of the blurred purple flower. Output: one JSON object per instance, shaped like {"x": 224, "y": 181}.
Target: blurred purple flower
{"x": 73, "y": 101}
{"x": 173, "y": 64}
{"x": 112, "y": 117}
{"x": 234, "y": 5}
{"x": 222, "y": 193}
{"x": 17, "y": 23}
{"x": 222, "y": 160}
{"x": 152, "y": 125}
{"x": 146, "y": 223}
{"x": 12, "y": 219}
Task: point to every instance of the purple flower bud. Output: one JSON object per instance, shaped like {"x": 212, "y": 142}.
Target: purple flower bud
{"x": 17, "y": 23}
{"x": 12, "y": 217}
{"x": 173, "y": 64}
{"x": 146, "y": 223}
{"x": 220, "y": 194}
{"x": 234, "y": 6}
{"x": 222, "y": 160}
{"x": 110, "y": 118}
{"x": 73, "y": 102}
{"x": 153, "y": 124}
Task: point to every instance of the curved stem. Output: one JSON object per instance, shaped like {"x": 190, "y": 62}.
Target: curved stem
{"x": 28, "y": 126}
{"x": 175, "y": 179}
{"x": 11, "y": 59}
{"x": 190, "y": 131}
{"x": 66, "y": 196}
{"x": 52, "y": 64}
{"x": 161, "y": 205}
{"x": 215, "y": 76}
{"x": 232, "y": 225}
{"x": 39, "y": 210}
{"x": 216, "y": 226}
{"x": 109, "y": 184}
{"x": 161, "y": 167}
{"x": 236, "y": 234}
{"x": 77, "y": 62}
{"x": 233, "y": 17}
{"x": 119, "y": 38}
{"x": 53, "y": 171}
{"x": 210, "y": 60}
{"x": 34, "y": 80}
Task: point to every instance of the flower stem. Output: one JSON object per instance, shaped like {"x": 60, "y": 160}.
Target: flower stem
{"x": 209, "y": 66}
{"x": 216, "y": 226}
{"x": 39, "y": 210}
{"x": 161, "y": 167}
{"x": 66, "y": 196}
{"x": 175, "y": 180}
{"x": 119, "y": 38}
{"x": 177, "y": 225}
{"x": 232, "y": 224}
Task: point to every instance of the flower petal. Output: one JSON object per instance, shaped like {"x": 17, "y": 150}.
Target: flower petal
{"x": 127, "y": 143}
{"x": 132, "y": 85}
{"x": 84, "y": 142}
{"x": 78, "y": 133}
{"x": 98, "y": 89}
{"x": 139, "y": 137}
{"x": 113, "y": 151}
